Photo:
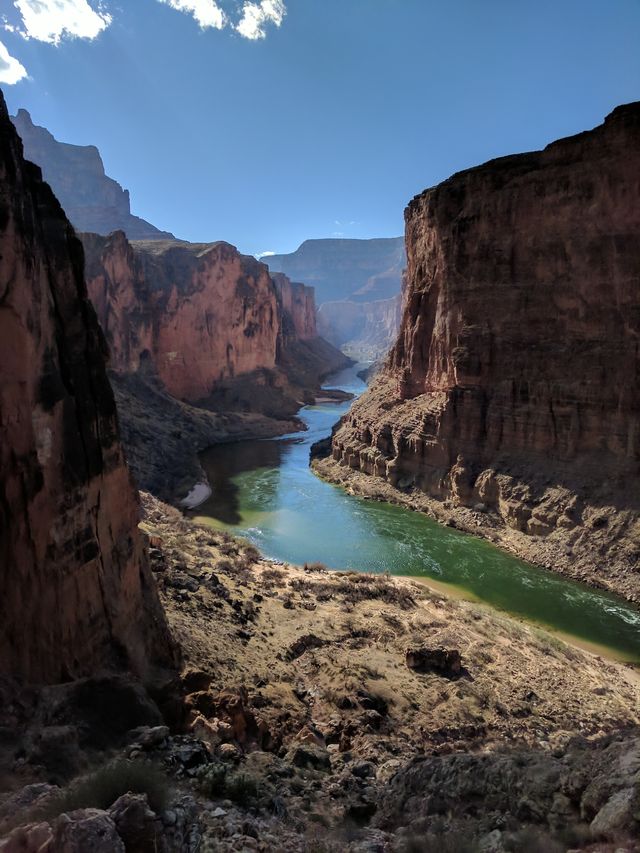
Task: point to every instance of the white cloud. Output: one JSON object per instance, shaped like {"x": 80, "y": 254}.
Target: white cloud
{"x": 265, "y": 255}
{"x": 206, "y": 12}
{"x": 51, "y": 20}
{"x": 255, "y": 16}
{"x": 11, "y": 71}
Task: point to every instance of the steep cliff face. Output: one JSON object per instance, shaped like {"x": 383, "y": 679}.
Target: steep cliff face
{"x": 75, "y": 589}
{"x": 91, "y": 200}
{"x": 515, "y": 380}
{"x": 366, "y": 330}
{"x": 202, "y": 313}
{"x": 298, "y": 308}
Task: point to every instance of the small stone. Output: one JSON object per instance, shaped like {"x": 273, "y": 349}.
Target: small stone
{"x": 219, "y": 812}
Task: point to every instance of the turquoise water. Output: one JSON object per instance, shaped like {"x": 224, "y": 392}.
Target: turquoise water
{"x": 264, "y": 490}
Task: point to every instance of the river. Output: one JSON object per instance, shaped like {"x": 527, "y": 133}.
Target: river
{"x": 265, "y": 490}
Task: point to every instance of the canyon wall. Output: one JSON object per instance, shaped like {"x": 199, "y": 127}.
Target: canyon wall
{"x": 514, "y": 384}
{"x": 76, "y": 593}
{"x": 202, "y": 313}
{"x": 298, "y": 308}
{"x": 92, "y": 201}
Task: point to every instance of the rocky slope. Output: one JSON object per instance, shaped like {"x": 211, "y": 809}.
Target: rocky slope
{"x": 364, "y": 330}
{"x": 91, "y": 200}
{"x": 514, "y": 387}
{"x": 76, "y": 593}
{"x": 331, "y": 711}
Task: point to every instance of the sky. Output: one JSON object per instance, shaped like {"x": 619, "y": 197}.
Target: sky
{"x": 266, "y": 123}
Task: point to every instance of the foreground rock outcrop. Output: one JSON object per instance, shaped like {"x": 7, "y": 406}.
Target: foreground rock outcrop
{"x": 91, "y": 200}
{"x": 514, "y": 385}
{"x": 76, "y": 593}
{"x": 305, "y": 721}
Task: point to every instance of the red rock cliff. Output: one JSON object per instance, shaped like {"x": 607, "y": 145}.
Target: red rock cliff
{"x": 76, "y": 593}
{"x": 203, "y": 313}
{"x": 298, "y": 307}
{"x": 515, "y": 379}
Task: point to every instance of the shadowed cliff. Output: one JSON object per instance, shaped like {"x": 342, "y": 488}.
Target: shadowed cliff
{"x": 76, "y": 593}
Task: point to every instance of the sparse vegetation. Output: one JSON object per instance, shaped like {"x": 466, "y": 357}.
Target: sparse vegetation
{"x": 217, "y": 781}
{"x": 101, "y": 788}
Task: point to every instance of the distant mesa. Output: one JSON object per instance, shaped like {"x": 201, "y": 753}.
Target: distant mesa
{"x": 357, "y": 284}
{"x": 358, "y": 270}
{"x": 92, "y": 201}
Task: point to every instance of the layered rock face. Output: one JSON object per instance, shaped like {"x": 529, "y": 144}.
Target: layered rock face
{"x": 366, "y": 330}
{"x": 76, "y": 593}
{"x": 202, "y": 313}
{"x": 91, "y": 200}
{"x": 200, "y": 324}
{"x": 298, "y": 308}
{"x": 515, "y": 380}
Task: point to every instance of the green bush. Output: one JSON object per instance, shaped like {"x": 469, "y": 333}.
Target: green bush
{"x": 101, "y": 788}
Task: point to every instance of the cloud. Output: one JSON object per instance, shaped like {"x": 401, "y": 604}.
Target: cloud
{"x": 265, "y": 255}
{"x": 206, "y": 12}
{"x": 51, "y": 20}
{"x": 255, "y": 16}
{"x": 11, "y": 71}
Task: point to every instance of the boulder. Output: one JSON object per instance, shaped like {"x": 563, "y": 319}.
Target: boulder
{"x": 445, "y": 662}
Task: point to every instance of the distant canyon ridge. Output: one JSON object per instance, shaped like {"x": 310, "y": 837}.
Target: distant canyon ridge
{"x": 357, "y": 282}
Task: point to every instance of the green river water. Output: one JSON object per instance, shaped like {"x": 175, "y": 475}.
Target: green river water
{"x": 264, "y": 490}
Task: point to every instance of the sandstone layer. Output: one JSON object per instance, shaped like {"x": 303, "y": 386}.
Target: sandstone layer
{"x": 514, "y": 386}
{"x": 91, "y": 200}
{"x": 202, "y": 313}
{"x": 76, "y": 593}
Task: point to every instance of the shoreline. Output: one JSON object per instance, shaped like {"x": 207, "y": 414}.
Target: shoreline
{"x": 599, "y": 650}
{"x": 482, "y": 525}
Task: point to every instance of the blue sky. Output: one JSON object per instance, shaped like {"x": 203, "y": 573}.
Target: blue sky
{"x": 265, "y": 123}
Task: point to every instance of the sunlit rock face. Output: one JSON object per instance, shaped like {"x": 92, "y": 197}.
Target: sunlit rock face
{"x": 92, "y": 201}
{"x": 76, "y": 594}
{"x": 515, "y": 379}
{"x": 203, "y": 313}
